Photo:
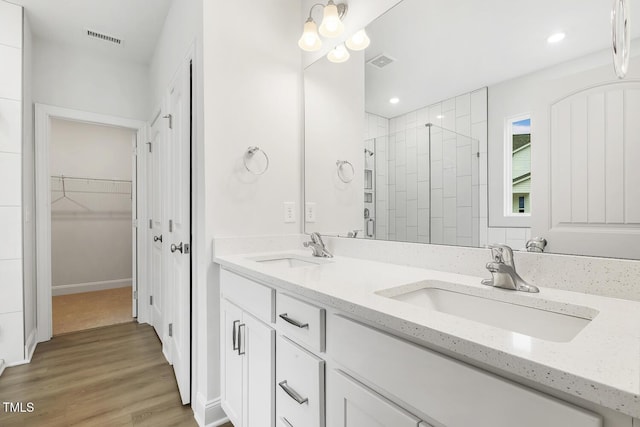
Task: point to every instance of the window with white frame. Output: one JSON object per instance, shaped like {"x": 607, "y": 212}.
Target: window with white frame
{"x": 518, "y": 166}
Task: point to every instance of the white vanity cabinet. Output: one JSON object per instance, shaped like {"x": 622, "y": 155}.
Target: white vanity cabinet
{"x": 289, "y": 362}
{"x": 351, "y": 404}
{"x": 247, "y": 359}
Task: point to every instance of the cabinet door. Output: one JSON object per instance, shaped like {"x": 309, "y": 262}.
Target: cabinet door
{"x": 258, "y": 343}
{"x": 351, "y": 404}
{"x": 231, "y": 361}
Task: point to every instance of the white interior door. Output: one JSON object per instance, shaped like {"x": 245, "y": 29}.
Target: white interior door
{"x": 155, "y": 202}
{"x": 179, "y": 235}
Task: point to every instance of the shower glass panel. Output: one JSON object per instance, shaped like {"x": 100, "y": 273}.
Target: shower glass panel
{"x": 426, "y": 187}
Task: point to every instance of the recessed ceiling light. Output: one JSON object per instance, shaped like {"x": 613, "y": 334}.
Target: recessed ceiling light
{"x": 555, "y": 38}
{"x": 394, "y": 100}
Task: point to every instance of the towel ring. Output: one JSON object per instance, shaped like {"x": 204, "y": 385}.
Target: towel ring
{"x": 340, "y": 164}
{"x": 621, "y": 36}
{"x": 249, "y": 154}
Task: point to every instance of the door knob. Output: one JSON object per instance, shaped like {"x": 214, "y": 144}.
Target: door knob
{"x": 157, "y": 238}
{"x": 175, "y": 247}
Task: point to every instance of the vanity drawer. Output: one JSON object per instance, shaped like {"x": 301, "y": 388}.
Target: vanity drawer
{"x": 299, "y": 386}
{"x": 255, "y": 298}
{"x": 304, "y": 323}
{"x": 440, "y": 387}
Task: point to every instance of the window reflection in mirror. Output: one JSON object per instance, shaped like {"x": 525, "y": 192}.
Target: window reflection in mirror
{"x": 519, "y": 166}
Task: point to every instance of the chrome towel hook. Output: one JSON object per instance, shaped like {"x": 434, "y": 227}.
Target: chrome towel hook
{"x": 621, "y": 36}
{"x": 340, "y": 164}
{"x": 251, "y": 151}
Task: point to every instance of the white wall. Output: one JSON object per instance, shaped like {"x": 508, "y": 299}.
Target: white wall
{"x": 83, "y": 80}
{"x": 93, "y": 244}
{"x": 333, "y": 131}
{"x": 252, "y": 93}
{"x": 28, "y": 191}
{"x": 11, "y": 301}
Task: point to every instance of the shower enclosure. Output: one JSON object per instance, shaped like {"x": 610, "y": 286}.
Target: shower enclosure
{"x": 422, "y": 185}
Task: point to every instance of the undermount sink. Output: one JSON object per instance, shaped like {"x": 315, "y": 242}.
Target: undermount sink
{"x": 525, "y": 320}
{"x": 289, "y": 261}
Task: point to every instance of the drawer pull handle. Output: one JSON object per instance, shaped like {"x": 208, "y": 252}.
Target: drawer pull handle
{"x": 235, "y": 335}
{"x": 292, "y": 393}
{"x": 240, "y": 350}
{"x": 286, "y": 422}
{"x": 287, "y": 319}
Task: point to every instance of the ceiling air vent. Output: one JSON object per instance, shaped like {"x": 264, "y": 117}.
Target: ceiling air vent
{"x": 381, "y": 61}
{"x": 104, "y": 37}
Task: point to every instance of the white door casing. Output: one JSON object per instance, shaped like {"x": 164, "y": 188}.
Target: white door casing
{"x": 178, "y": 237}
{"x": 43, "y": 115}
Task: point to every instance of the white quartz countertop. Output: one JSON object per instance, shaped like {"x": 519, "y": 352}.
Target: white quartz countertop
{"x": 601, "y": 364}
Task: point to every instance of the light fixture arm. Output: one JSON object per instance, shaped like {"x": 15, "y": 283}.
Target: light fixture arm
{"x": 310, "y": 18}
{"x": 342, "y": 9}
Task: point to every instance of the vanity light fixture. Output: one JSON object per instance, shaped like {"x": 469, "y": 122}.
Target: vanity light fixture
{"x": 310, "y": 40}
{"x": 339, "y": 54}
{"x": 555, "y": 38}
{"x": 358, "y": 41}
{"x": 394, "y": 100}
{"x": 331, "y": 26}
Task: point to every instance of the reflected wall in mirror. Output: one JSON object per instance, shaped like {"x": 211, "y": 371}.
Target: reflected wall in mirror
{"x": 479, "y": 128}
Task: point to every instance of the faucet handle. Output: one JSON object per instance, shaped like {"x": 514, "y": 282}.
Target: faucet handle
{"x": 502, "y": 253}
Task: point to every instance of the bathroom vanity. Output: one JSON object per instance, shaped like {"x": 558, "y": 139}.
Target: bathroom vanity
{"x": 344, "y": 342}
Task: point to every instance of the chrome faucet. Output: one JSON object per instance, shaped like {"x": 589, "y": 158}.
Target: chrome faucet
{"x": 317, "y": 246}
{"x": 503, "y": 270}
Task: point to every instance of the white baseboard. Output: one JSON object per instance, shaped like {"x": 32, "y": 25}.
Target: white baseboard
{"x": 77, "y": 288}
{"x": 2, "y": 366}
{"x": 30, "y": 344}
{"x": 209, "y": 413}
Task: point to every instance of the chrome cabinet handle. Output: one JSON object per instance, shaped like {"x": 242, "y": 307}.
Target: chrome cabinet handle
{"x": 235, "y": 340}
{"x": 287, "y": 319}
{"x": 240, "y": 350}
{"x": 286, "y": 422}
{"x": 292, "y": 393}
{"x": 157, "y": 238}
{"x": 175, "y": 247}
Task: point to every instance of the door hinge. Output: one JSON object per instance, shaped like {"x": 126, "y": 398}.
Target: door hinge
{"x": 170, "y": 226}
{"x": 170, "y": 117}
{"x": 150, "y": 223}
{"x": 135, "y": 294}
{"x": 135, "y": 223}
{"x": 150, "y": 299}
{"x": 170, "y": 329}
{"x": 150, "y": 147}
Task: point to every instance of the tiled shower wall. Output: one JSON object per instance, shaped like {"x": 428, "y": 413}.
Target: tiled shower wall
{"x": 447, "y": 204}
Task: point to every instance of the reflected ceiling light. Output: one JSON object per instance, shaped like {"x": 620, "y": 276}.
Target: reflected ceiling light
{"x": 394, "y": 100}
{"x": 555, "y": 38}
{"x": 338, "y": 54}
{"x": 310, "y": 40}
{"x": 358, "y": 41}
{"x": 332, "y": 25}
{"x": 439, "y": 116}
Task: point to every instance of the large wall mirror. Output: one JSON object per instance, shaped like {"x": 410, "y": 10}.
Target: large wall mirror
{"x": 475, "y": 122}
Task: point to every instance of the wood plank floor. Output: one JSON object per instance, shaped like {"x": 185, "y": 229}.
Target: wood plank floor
{"x": 87, "y": 310}
{"x": 111, "y": 376}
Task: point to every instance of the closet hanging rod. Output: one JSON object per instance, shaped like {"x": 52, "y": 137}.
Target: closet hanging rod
{"x": 91, "y": 179}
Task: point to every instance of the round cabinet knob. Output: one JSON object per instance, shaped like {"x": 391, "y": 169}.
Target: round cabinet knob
{"x": 157, "y": 238}
{"x": 175, "y": 247}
